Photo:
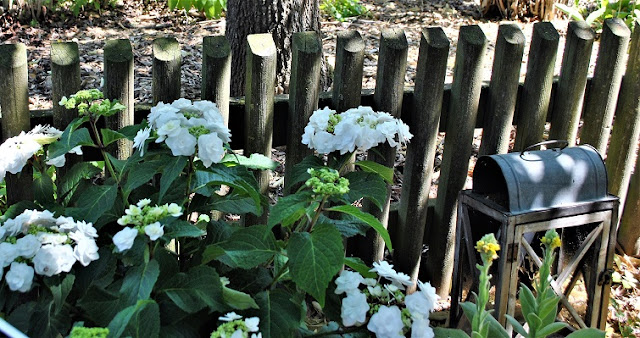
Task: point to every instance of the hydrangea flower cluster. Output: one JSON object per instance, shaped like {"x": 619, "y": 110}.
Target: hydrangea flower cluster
{"x": 362, "y": 128}
{"x": 235, "y": 326}
{"x": 327, "y": 181}
{"x": 17, "y": 150}
{"x": 51, "y": 244}
{"x": 184, "y": 126}
{"x": 390, "y": 312}
{"x": 145, "y": 219}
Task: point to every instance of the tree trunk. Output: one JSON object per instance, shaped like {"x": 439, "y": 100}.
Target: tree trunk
{"x": 281, "y": 18}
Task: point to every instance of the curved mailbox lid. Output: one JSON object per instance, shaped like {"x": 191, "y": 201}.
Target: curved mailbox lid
{"x": 536, "y": 180}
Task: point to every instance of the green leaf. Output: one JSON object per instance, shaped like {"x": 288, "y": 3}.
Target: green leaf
{"x": 534, "y": 322}
{"x": 170, "y": 172}
{"x": 233, "y": 203}
{"x": 441, "y": 332}
{"x": 142, "y": 173}
{"x": 248, "y": 247}
{"x": 368, "y": 185}
{"x": 69, "y": 140}
{"x": 180, "y": 228}
{"x": 359, "y": 266}
{"x": 43, "y": 189}
{"x": 120, "y": 322}
{"x": 238, "y": 300}
{"x": 548, "y": 309}
{"x": 315, "y": 258}
{"x": 587, "y": 333}
{"x": 99, "y": 273}
{"x": 367, "y": 218}
{"x": 348, "y": 226}
{"x": 469, "y": 310}
{"x": 279, "y": 315}
{"x": 100, "y": 305}
{"x": 145, "y": 322}
{"x": 80, "y": 171}
{"x": 172, "y": 4}
{"x": 109, "y": 136}
{"x": 130, "y": 132}
{"x": 517, "y": 326}
{"x": 299, "y": 172}
{"x": 16, "y": 209}
{"x": 93, "y": 202}
{"x": 551, "y": 328}
{"x": 255, "y": 161}
{"x": 60, "y": 289}
{"x": 289, "y": 209}
{"x": 200, "y": 287}
{"x": 527, "y": 300}
{"x": 139, "y": 281}
{"x": 372, "y": 167}
{"x": 239, "y": 178}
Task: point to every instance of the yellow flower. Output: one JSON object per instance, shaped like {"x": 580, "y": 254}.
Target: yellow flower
{"x": 488, "y": 247}
{"x": 551, "y": 239}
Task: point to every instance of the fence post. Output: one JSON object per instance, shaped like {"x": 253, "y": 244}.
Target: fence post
{"x": 626, "y": 128}
{"x": 629, "y": 231}
{"x": 418, "y": 168}
{"x": 347, "y": 77}
{"x": 118, "y": 84}
{"x": 65, "y": 81}
{"x": 536, "y": 93}
{"x": 567, "y": 105}
{"x": 259, "y": 105}
{"x": 166, "y": 70}
{"x": 503, "y": 90}
{"x": 465, "y": 97}
{"x": 392, "y": 65}
{"x": 216, "y": 73}
{"x": 605, "y": 85}
{"x": 304, "y": 91}
{"x": 14, "y": 106}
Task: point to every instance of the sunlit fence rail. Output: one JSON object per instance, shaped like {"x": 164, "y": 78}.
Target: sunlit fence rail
{"x": 261, "y": 120}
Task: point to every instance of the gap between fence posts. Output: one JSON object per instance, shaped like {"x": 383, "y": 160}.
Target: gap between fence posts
{"x": 119, "y": 85}
{"x": 503, "y": 90}
{"x": 419, "y": 163}
{"x": 65, "y": 81}
{"x": 536, "y": 92}
{"x": 626, "y": 128}
{"x": 167, "y": 61}
{"x": 567, "y": 105}
{"x": 259, "y": 107}
{"x": 14, "y": 108}
{"x": 216, "y": 73}
{"x": 465, "y": 97}
{"x": 600, "y": 104}
{"x": 306, "y": 66}
{"x": 388, "y": 95}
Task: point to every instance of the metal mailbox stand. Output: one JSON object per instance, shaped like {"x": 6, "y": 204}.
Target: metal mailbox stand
{"x": 600, "y": 215}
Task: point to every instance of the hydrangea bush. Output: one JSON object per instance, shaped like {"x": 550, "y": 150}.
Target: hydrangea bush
{"x": 131, "y": 247}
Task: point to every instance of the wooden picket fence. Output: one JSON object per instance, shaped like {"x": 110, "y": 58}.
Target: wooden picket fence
{"x": 263, "y": 120}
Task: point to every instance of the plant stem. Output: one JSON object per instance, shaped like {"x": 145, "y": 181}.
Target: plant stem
{"x": 107, "y": 162}
{"x": 318, "y": 213}
{"x": 280, "y": 273}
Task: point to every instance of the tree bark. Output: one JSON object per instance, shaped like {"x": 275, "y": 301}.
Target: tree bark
{"x": 280, "y": 18}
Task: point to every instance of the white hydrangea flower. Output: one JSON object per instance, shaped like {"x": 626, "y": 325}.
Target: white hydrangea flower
{"x": 53, "y": 259}
{"x": 61, "y": 160}
{"x": 418, "y": 305}
{"x": 52, "y": 238}
{"x": 181, "y": 103}
{"x": 420, "y": 328}
{"x": 87, "y": 229}
{"x": 383, "y": 269}
{"x": 348, "y": 282}
{"x": 183, "y": 144}
{"x": 28, "y": 246}
{"x": 154, "y": 230}
{"x": 44, "y": 134}
{"x": 141, "y": 137}
{"x": 229, "y": 317}
{"x": 210, "y": 149}
{"x": 387, "y": 322}
{"x": 124, "y": 238}
{"x": 86, "y": 249}
{"x": 8, "y": 252}
{"x": 174, "y": 210}
{"x": 16, "y": 151}
{"x": 143, "y": 203}
{"x": 429, "y": 292}
{"x": 19, "y": 277}
{"x": 252, "y": 324}
{"x": 354, "y": 309}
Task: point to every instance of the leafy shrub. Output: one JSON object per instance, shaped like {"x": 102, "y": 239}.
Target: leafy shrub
{"x": 343, "y": 9}
{"x": 627, "y": 10}
{"x": 212, "y": 9}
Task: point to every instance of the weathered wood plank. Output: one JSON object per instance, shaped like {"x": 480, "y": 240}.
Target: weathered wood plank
{"x": 119, "y": 84}
{"x": 418, "y": 168}
{"x": 166, "y": 70}
{"x": 465, "y": 96}
{"x": 216, "y": 73}
{"x": 347, "y": 76}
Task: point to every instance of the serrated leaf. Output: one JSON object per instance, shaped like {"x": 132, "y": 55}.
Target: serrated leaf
{"x": 359, "y": 266}
{"x": 93, "y": 202}
{"x": 238, "y": 300}
{"x": 232, "y": 203}
{"x": 60, "y": 288}
{"x": 80, "y": 171}
{"x": 139, "y": 281}
{"x": 200, "y": 287}
{"x": 368, "y": 219}
{"x": 279, "y": 315}
{"x": 372, "y": 167}
{"x": 69, "y": 140}
{"x": 315, "y": 258}
{"x": 348, "y": 226}
{"x": 170, "y": 172}
{"x": 100, "y": 305}
{"x": 109, "y": 136}
{"x": 145, "y": 322}
{"x": 255, "y": 161}
{"x": 180, "y": 228}
{"x": 299, "y": 172}
{"x": 43, "y": 189}
{"x": 141, "y": 174}
{"x": 248, "y": 247}
{"x": 368, "y": 185}
{"x": 289, "y": 209}
{"x": 119, "y": 323}
{"x": 239, "y": 178}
